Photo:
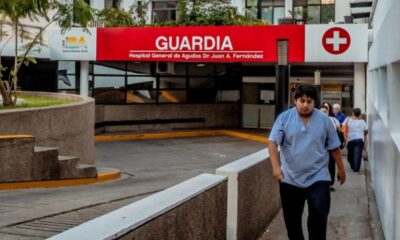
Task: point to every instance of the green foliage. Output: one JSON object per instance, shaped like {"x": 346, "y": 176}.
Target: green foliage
{"x": 78, "y": 13}
{"x": 38, "y": 102}
{"x": 190, "y": 13}
{"x": 67, "y": 15}
{"x": 114, "y": 17}
{"x": 212, "y": 12}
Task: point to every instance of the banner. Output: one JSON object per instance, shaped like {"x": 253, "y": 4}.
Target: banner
{"x": 307, "y": 43}
{"x": 199, "y": 44}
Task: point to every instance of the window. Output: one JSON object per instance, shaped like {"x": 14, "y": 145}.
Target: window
{"x": 267, "y": 14}
{"x": 67, "y": 77}
{"x": 314, "y": 13}
{"x": 164, "y": 11}
{"x": 299, "y": 2}
{"x": 271, "y": 10}
{"x": 327, "y": 13}
{"x": 279, "y": 12}
{"x": 251, "y": 3}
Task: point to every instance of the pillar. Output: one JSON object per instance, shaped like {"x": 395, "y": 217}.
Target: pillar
{"x": 84, "y": 79}
{"x": 359, "y": 86}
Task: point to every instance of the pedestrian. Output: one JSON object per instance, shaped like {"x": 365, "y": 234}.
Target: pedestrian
{"x": 355, "y": 130}
{"x": 305, "y": 136}
{"x": 337, "y": 113}
{"x": 331, "y": 166}
{"x": 329, "y": 107}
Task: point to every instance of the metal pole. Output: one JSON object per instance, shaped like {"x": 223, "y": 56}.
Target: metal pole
{"x": 282, "y": 79}
{"x": 317, "y": 83}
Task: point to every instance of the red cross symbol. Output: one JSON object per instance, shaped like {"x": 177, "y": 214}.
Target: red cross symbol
{"x": 336, "y": 40}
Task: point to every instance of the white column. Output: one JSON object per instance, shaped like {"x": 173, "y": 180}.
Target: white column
{"x": 84, "y": 80}
{"x": 359, "y": 86}
{"x": 288, "y": 7}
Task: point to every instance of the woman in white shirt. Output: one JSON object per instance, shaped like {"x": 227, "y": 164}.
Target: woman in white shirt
{"x": 355, "y": 130}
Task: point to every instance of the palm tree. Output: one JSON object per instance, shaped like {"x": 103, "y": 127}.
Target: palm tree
{"x": 13, "y": 11}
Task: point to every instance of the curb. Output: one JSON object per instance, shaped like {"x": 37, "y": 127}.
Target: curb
{"x": 204, "y": 133}
{"x": 101, "y": 177}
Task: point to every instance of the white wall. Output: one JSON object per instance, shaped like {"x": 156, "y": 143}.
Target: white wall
{"x": 383, "y": 88}
{"x": 342, "y": 8}
{"x": 359, "y": 86}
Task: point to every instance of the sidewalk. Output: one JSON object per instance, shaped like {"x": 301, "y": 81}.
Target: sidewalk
{"x": 348, "y": 219}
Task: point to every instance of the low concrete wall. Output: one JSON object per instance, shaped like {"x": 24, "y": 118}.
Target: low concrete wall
{"x": 194, "y": 209}
{"x": 69, "y": 127}
{"x": 221, "y": 115}
{"x": 16, "y": 154}
{"x": 253, "y": 196}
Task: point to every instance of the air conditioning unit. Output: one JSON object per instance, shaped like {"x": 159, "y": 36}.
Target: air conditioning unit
{"x": 165, "y": 68}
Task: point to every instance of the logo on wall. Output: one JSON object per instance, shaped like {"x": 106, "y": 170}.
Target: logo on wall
{"x": 336, "y": 40}
{"x": 74, "y": 44}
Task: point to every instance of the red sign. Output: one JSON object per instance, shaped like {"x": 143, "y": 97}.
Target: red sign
{"x": 199, "y": 44}
{"x": 336, "y": 40}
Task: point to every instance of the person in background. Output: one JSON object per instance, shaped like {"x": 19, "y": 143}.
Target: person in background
{"x": 337, "y": 113}
{"x": 324, "y": 108}
{"x": 355, "y": 130}
{"x": 305, "y": 136}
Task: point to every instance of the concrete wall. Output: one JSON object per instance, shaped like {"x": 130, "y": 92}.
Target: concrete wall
{"x": 69, "y": 127}
{"x": 16, "y": 158}
{"x": 383, "y": 87}
{"x": 253, "y": 196}
{"x": 194, "y": 209}
{"x": 221, "y": 115}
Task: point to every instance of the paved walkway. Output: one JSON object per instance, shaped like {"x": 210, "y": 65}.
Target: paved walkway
{"x": 153, "y": 165}
{"x": 348, "y": 218}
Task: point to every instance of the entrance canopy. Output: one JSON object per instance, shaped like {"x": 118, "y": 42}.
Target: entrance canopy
{"x": 307, "y": 43}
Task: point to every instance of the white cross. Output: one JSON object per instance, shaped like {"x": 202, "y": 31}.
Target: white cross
{"x": 336, "y": 41}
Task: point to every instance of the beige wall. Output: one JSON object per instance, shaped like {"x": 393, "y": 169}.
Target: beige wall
{"x": 69, "y": 127}
{"x": 221, "y": 115}
{"x": 253, "y": 196}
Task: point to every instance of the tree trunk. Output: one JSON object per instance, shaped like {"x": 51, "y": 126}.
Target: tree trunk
{"x": 4, "y": 94}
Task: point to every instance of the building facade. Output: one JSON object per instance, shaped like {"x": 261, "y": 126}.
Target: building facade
{"x": 383, "y": 88}
{"x": 249, "y": 87}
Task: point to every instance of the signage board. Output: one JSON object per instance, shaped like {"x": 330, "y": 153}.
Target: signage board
{"x": 307, "y": 43}
{"x": 336, "y": 43}
{"x": 199, "y": 44}
{"x": 74, "y": 44}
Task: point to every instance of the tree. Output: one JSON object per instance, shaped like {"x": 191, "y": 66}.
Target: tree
{"x": 13, "y": 11}
{"x": 212, "y": 12}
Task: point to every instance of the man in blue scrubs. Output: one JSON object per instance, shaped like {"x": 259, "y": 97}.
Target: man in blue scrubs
{"x": 305, "y": 136}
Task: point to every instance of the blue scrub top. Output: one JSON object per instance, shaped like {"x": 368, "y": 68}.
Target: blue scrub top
{"x": 304, "y": 148}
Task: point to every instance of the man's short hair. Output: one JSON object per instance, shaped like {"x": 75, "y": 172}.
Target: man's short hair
{"x": 306, "y": 90}
{"x": 357, "y": 112}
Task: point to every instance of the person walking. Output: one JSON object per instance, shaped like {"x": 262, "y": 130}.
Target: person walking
{"x": 337, "y": 113}
{"x": 331, "y": 166}
{"x": 305, "y": 136}
{"x": 355, "y": 130}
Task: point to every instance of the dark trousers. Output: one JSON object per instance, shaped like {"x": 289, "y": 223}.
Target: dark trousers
{"x": 319, "y": 201}
{"x": 332, "y": 168}
{"x": 354, "y": 153}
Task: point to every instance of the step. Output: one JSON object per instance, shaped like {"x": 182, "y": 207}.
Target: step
{"x": 67, "y": 166}
{"x": 87, "y": 171}
{"x": 45, "y": 164}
